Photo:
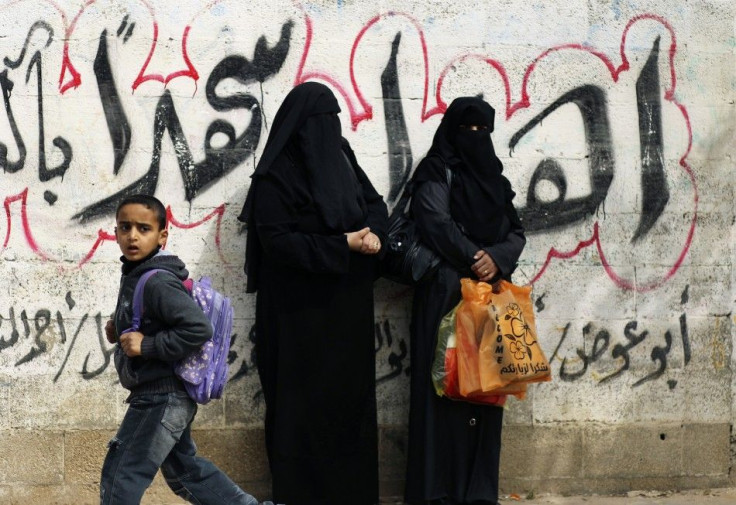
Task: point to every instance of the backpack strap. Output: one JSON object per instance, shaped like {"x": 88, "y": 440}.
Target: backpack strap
{"x": 138, "y": 299}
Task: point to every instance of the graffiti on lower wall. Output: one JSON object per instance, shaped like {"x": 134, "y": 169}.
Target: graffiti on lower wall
{"x": 37, "y": 333}
{"x": 620, "y": 353}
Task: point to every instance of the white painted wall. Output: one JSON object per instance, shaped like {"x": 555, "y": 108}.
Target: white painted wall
{"x": 672, "y": 286}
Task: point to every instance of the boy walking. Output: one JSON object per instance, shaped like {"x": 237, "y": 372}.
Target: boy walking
{"x": 156, "y": 430}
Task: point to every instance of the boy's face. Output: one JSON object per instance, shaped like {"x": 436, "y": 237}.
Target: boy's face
{"x": 137, "y": 231}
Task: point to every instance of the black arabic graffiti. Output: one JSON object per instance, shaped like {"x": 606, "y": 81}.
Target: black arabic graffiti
{"x": 245, "y": 365}
{"x": 45, "y": 330}
{"x": 399, "y": 152}
{"x": 653, "y": 179}
{"x": 395, "y": 360}
{"x": 218, "y": 161}
{"x": 621, "y": 352}
{"x": 539, "y": 215}
{"x": 45, "y": 174}
{"x": 591, "y": 102}
{"x": 117, "y": 120}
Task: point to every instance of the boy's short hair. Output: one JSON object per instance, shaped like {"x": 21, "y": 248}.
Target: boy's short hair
{"x": 148, "y": 201}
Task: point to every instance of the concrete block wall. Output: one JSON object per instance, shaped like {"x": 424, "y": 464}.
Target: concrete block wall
{"x": 616, "y": 124}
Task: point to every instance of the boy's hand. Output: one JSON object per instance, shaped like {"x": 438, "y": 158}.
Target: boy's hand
{"x": 131, "y": 343}
{"x": 112, "y": 337}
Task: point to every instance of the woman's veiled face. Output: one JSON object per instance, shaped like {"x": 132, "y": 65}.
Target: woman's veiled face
{"x": 473, "y": 127}
{"x": 475, "y": 118}
{"x": 320, "y": 130}
{"x": 472, "y": 137}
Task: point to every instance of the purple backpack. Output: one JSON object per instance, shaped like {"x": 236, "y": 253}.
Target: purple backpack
{"x": 204, "y": 372}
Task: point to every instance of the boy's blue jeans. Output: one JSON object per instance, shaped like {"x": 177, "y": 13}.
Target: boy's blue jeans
{"x": 156, "y": 433}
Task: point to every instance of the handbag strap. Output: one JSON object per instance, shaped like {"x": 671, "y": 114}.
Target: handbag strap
{"x": 406, "y": 195}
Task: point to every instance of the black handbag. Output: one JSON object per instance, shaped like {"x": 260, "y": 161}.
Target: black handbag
{"x": 407, "y": 260}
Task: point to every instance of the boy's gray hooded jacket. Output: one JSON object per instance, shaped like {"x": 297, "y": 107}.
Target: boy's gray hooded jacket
{"x": 172, "y": 323}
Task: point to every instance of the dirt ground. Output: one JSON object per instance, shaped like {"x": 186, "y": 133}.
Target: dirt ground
{"x": 703, "y": 497}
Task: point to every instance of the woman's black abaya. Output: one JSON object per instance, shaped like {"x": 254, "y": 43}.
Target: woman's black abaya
{"x": 314, "y": 312}
{"x": 454, "y": 446}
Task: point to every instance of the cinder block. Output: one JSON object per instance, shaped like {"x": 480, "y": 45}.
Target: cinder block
{"x": 520, "y": 411}
{"x": 632, "y": 451}
{"x": 582, "y": 301}
{"x": 210, "y": 416}
{"x": 706, "y": 449}
{"x": 31, "y": 457}
{"x": 84, "y": 454}
{"x": 53, "y": 495}
{"x": 392, "y": 397}
{"x": 392, "y": 452}
{"x": 239, "y": 453}
{"x": 93, "y": 405}
{"x": 243, "y": 400}
{"x": 541, "y": 451}
{"x": 391, "y": 492}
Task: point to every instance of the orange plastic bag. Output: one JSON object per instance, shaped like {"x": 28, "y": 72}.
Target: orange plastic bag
{"x": 445, "y": 369}
{"x": 496, "y": 338}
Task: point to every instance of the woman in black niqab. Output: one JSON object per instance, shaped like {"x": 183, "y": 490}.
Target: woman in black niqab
{"x": 470, "y": 222}
{"x": 307, "y": 123}
{"x": 463, "y": 141}
{"x": 315, "y": 227}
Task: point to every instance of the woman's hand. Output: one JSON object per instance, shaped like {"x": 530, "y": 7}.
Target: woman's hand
{"x": 355, "y": 239}
{"x": 484, "y": 267}
{"x": 371, "y": 244}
